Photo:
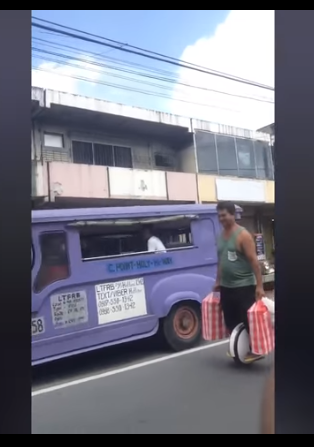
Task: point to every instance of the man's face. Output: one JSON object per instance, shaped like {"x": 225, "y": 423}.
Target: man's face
{"x": 226, "y": 219}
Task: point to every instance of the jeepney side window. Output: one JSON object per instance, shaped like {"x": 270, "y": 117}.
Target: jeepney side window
{"x": 177, "y": 238}
{"x": 54, "y": 260}
{"x": 120, "y": 241}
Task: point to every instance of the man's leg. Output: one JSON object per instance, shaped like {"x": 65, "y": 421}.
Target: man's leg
{"x": 230, "y": 308}
{"x": 246, "y": 299}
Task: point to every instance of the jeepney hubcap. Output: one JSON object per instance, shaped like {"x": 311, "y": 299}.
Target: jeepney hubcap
{"x": 185, "y": 323}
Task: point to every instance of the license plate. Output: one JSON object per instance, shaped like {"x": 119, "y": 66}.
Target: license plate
{"x": 38, "y": 326}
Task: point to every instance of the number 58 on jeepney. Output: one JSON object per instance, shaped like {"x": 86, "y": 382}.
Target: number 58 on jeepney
{"x": 94, "y": 284}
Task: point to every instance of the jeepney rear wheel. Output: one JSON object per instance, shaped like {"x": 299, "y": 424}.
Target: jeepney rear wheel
{"x": 182, "y": 328}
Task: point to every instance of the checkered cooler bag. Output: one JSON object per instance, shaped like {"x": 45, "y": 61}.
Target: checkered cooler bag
{"x": 213, "y": 320}
{"x": 261, "y": 329}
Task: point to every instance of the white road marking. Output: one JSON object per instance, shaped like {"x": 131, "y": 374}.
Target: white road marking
{"x": 125, "y": 369}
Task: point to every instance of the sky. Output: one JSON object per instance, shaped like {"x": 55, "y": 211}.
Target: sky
{"x": 239, "y": 43}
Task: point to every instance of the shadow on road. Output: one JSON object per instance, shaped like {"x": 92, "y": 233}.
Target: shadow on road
{"x": 96, "y": 362}
{"x": 220, "y": 362}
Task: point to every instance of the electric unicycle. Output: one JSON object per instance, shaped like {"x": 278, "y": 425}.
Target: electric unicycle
{"x": 239, "y": 346}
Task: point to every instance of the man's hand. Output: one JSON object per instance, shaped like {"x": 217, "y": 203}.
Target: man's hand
{"x": 259, "y": 293}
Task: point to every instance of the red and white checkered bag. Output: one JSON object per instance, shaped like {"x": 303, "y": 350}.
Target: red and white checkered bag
{"x": 213, "y": 320}
{"x": 261, "y": 329}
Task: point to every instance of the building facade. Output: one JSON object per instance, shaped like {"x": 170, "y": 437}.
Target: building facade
{"x": 89, "y": 152}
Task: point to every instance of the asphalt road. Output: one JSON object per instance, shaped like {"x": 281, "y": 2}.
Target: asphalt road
{"x": 140, "y": 389}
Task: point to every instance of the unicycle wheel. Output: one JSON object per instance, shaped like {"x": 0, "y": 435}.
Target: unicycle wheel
{"x": 239, "y": 345}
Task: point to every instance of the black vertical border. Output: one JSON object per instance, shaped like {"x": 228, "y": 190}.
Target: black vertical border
{"x": 15, "y": 188}
{"x": 294, "y": 164}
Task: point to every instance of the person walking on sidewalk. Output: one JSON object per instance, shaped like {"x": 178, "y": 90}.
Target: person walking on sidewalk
{"x": 239, "y": 277}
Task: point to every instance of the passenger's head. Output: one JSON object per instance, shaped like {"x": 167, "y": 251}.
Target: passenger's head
{"x": 226, "y": 213}
{"x": 147, "y": 232}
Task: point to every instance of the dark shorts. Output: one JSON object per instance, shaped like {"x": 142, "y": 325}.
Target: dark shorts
{"x": 235, "y": 303}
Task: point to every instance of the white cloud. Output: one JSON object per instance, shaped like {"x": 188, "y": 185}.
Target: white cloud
{"x": 242, "y": 46}
{"x": 51, "y": 76}
{"x": 83, "y": 78}
{"x": 65, "y": 78}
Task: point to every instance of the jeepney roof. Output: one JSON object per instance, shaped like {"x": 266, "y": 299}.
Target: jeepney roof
{"x": 125, "y": 212}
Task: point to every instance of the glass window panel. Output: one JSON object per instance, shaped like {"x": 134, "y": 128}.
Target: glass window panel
{"x": 263, "y": 160}
{"x": 246, "y": 159}
{"x": 206, "y": 152}
{"x": 227, "y": 159}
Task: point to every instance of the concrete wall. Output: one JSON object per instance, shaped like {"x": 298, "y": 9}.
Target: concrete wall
{"x": 39, "y": 180}
{"x": 53, "y": 97}
{"x": 186, "y": 159}
{"x": 182, "y": 186}
{"x": 270, "y": 192}
{"x": 245, "y": 189}
{"x": 78, "y": 180}
{"x": 85, "y": 181}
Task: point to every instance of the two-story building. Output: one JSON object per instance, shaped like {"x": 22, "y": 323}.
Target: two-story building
{"x": 89, "y": 152}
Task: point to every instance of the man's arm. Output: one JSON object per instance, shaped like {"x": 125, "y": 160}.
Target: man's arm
{"x": 248, "y": 246}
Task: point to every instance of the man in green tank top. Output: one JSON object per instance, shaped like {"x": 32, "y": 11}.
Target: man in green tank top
{"x": 239, "y": 277}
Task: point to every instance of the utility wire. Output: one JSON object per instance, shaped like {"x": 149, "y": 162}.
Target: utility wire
{"x": 69, "y": 59}
{"x": 142, "y": 49}
{"x": 134, "y": 90}
{"x": 140, "y": 52}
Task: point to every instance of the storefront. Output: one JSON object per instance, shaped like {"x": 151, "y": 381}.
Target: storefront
{"x": 268, "y": 226}
{"x": 249, "y": 219}
{"x": 259, "y": 221}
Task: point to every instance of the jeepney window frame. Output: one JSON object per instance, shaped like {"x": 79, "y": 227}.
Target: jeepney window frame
{"x": 42, "y": 262}
{"x": 80, "y": 225}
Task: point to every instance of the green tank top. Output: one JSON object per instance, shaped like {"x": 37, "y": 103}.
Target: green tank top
{"x": 236, "y": 271}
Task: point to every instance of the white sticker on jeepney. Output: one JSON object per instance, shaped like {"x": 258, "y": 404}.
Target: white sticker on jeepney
{"x": 121, "y": 300}
{"x": 38, "y": 326}
{"x": 69, "y": 309}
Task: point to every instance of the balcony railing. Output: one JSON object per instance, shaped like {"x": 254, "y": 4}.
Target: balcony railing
{"x": 55, "y": 180}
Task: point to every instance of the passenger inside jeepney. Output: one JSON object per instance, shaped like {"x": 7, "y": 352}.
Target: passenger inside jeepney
{"x": 153, "y": 242}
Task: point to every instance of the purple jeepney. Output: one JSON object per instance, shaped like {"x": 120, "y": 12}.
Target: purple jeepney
{"x": 94, "y": 284}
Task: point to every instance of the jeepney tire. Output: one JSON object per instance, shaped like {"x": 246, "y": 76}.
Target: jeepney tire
{"x": 182, "y": 338}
